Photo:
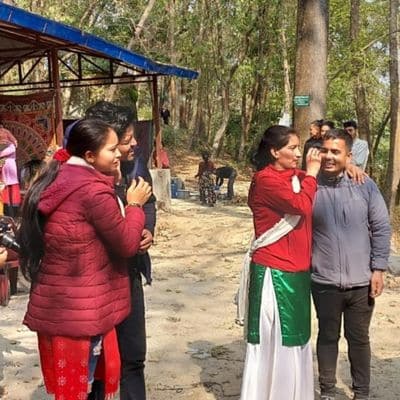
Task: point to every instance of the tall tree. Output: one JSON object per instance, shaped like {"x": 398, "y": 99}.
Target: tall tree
{"x": 311, "y": 61}
{"x": 197, "y": 123}
{"x": 229, "y": 56}
{"x": 359, "y": 87}
{"x": 173, "y": 88}
{"x": 393, "y": 170}
{"x": 136, "y": 34}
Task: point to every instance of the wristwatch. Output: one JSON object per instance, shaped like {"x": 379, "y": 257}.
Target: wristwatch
{"x": 134, "y": 204}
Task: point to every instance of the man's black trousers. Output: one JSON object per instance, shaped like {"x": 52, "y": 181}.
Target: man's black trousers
{"x": 132, "y": 344}
{"x": 356, "y": 307}
{"x": 131, "y": 335}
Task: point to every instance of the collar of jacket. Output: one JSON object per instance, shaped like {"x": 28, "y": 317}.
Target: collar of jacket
{"x": 331, "y": 180}
{"x": 74, "y": 160}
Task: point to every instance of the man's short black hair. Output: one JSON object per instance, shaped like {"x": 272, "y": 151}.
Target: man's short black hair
{"x": 331, "y": 124}
{"x": 119, "y": 117}
{"x": 333, "y": 134}
{"x": 350, "y": 124}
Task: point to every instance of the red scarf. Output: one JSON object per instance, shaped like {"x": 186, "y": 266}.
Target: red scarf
{"x": 64, "y": 362}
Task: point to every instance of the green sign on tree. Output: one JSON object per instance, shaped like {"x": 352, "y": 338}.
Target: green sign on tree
{"x": 301, "y": 101}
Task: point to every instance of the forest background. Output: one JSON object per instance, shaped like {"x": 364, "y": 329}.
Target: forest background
{"x": 245, "y": 52}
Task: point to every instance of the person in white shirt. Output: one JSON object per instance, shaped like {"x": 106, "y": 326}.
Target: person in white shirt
{"x": 360, "y": 150}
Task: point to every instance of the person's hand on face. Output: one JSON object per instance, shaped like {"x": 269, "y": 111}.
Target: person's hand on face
{"x": 139, "y": 192}
{"x": 313, "y": 161}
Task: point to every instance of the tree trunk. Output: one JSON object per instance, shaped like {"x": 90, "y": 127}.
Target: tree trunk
{"x": 197, "y": 124}
{"x": 225, "y": 119}
{"x": 311, "y": 62}
{"x": 87, "y": 14}
{"x": 379, "y": 134}
{"x": 87, "y": 20}
{"x": 198, "y": 92}
{"x": 287, "y": 107}
{"x": 173, "y": 97}
{"x": 247, "y": 117}
{"x": 393, "y": 171}
{"x": 359, "y": 90}
{"x": 183, "y": 105}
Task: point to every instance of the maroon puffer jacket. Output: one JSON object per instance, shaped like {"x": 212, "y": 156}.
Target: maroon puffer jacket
{"x": 82, "y": 288}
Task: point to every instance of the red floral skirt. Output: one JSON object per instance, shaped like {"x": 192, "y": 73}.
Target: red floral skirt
{"x": 65, "y": 362}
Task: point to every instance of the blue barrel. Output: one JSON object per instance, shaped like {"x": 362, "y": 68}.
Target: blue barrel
{"x": 174, "y": 190}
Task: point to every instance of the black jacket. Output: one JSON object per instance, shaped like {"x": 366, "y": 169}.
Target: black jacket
{"x": 132, "y": 170}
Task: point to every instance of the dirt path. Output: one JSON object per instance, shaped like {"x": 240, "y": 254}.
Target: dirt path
{"x": 195, "y": 351}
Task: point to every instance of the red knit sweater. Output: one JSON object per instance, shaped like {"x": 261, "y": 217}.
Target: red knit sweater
{"x": 270, "y": 197}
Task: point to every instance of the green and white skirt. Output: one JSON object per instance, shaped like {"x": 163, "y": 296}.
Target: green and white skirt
{"x": 278, "y": 360}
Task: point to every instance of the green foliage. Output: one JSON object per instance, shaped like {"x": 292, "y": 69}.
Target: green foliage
{"x": 367, "y": 57}
{"x": 174, "y": 137}
{"x": 235, "y": 43}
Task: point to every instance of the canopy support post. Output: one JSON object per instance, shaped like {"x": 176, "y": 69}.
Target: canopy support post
{"x": 156, "y": 122}
{"x": 55, "y": 79}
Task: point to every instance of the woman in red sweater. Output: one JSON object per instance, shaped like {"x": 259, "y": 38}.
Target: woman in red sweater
{"x": 279, "y": 360}
{"x": 74, "y": 240}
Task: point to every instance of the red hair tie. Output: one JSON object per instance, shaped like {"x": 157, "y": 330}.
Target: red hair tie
{"x": 62, "y": 156}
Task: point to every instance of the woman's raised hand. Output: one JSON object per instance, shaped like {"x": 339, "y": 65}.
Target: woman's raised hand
{"x": 139, "y": 192}
{"x": 313, "y": 161}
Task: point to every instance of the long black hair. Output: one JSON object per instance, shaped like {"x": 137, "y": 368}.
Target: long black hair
{"x": 274, "y": 138}
{"x": 86, "y": 135}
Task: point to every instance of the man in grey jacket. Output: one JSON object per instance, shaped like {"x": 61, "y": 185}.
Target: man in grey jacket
{"x": 351, "y": 243}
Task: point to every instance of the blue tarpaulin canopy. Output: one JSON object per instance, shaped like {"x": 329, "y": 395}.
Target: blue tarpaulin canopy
{"x": 70, "y": 57}
{"x": 24, "y": 35}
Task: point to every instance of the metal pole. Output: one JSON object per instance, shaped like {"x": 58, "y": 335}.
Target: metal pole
{"x": 55, "y": 78}
{"x": 156, "y": 122}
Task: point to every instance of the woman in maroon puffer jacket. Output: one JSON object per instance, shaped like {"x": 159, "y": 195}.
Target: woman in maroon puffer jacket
{"x": 74, "y": 239}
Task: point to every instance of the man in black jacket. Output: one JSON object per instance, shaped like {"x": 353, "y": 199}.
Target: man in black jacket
{"x": 132, "y": 331}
